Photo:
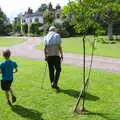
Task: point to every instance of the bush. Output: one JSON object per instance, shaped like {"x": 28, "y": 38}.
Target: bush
{"x": 44, "y": 29}
{"x": 34, "y": 29}
{"x": 100, "y": 32}
{"x": 112, "y": 42}
{"x": 69, "y": 28}
{"x": 61, "y": 30}
{"x": 63, "y": 33}
{"x": 102, "y": 40}
{"x": 25, "y": 28}
{"x": 105, "y": 41}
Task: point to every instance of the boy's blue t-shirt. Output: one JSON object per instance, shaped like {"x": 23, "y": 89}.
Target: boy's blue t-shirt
{"x": 7, "y": 68}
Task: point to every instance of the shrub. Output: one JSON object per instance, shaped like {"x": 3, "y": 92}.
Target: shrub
{"x": 25, "y": 28}
{"x": 34, "y": 29}
{"x": 62, "y": 30}
{"x": 102, "y": 40}
{"x": 63, "y": 33}
{"x": 69, "y": 28}
{"x": 112, "y": 42}
{"x": 105, "y": 41}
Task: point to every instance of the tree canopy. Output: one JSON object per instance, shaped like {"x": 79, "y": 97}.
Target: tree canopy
{"x": 92, "y": 13}
{"x": 42, "y": 8}
{"x": 4, "y": 22}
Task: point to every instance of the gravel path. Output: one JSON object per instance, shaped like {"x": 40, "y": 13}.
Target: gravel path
{"x": 27, "y": 50}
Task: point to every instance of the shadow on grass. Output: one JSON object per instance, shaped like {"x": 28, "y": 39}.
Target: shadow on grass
{"x": 26, "y": 112}
{"x": 106, "y": 116}
{"x": 75, "y": 93}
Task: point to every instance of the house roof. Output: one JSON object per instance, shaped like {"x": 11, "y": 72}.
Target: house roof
{"x": 36, "y": 14}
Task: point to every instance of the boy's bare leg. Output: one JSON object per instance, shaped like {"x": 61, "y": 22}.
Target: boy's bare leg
{"x": 7, "y": 97}
{"x": 13, "y": 96}
{"x": 11, "y": 92}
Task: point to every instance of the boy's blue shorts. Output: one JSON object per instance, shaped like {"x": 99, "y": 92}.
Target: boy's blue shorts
{"x": 6, "y": 84}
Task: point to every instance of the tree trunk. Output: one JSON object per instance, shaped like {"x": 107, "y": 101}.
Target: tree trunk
{"x": 110, "y": 32}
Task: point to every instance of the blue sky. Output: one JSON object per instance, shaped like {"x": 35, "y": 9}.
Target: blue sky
{"x": 13, "y": 7}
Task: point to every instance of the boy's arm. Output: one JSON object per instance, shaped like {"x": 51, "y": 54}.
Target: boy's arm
{"x": 15, "y": 70}
{"x": 15, "y": 67}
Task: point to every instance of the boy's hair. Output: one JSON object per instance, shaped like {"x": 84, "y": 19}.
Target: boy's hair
{"x": 6, "y": 53}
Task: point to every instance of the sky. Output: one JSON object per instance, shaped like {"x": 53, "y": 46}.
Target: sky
{"x": 13, "y": 7}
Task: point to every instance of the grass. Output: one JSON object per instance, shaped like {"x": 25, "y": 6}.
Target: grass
{"x": 75, "y": 45}
{"x": 10, "y": 41}
{"x": 34, "y": 103}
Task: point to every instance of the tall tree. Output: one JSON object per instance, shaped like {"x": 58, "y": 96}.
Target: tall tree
{"x": 86, "y": 13}
{"x": 4, "y": 22}
{"x": 42, "y": 8}
{"x": 17, "y": 24}
{"x": 109, "y": 14}
{"x": 49, "y": 17}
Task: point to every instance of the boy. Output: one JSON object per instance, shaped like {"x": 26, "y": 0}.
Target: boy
{"x": 7, "y": 68}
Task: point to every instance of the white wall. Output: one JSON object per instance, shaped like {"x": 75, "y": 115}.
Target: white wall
{"x": 32, "y": 19}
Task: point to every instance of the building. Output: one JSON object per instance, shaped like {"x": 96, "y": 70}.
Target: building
{"x": 30, "y": 17}
{"x": 57, "y": 12}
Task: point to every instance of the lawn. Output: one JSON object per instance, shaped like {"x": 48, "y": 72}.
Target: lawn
{"x": 75, "y": 45}
{"x": 34, "y": 103}
{"x": 10, "y": 41}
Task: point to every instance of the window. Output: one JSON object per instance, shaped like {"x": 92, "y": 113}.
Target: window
{"x": 36, "y": 20}
{"x": 30, "y": 19}
{"x": 58, "y": 16}
{"x": 23, "y": 20}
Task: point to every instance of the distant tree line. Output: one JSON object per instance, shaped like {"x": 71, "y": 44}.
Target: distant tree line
{"x": 100, "y": 17}
{"x": 94, "y": 16}
{"x": 5, "y": 26}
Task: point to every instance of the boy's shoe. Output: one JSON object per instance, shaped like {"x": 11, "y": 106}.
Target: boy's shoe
{"x": 52, "y": 85}
{"x": 9, "y": 103}
{"x": 13, "y": 99}
{"x": 55, "y": 86}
